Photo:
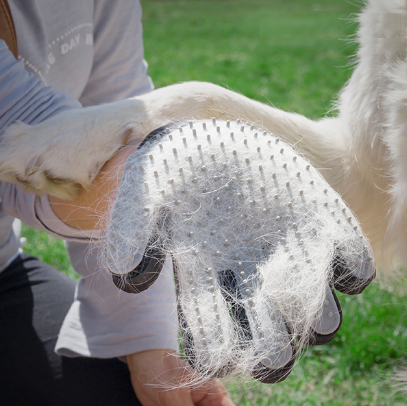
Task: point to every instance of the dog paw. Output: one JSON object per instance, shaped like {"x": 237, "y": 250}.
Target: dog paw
{"x": 61, "y": 155}
{"x": 24, "y": 154}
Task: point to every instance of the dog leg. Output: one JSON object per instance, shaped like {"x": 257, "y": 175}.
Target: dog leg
{"x": 65, "y": 152}
{"x": 373, "y": 115}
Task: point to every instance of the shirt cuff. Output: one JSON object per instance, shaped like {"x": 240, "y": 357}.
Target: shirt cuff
{"x": 55, "y": 226}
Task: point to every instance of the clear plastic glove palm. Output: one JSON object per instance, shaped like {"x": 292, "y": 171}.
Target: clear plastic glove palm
{"x": 257, "y": 236}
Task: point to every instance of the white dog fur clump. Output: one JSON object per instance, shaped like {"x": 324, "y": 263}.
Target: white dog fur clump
{"x": 224, "y": 196}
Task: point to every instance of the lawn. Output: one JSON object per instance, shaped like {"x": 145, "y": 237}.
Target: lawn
{"x": 295, "y": 55}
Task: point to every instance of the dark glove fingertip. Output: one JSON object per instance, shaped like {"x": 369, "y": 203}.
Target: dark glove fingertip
{"x": 347, "y": 283}
{"x": 144, "y": 275}
{"x": 266, "y": 375}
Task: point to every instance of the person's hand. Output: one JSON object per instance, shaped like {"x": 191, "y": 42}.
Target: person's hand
{"x": 154, "y": 372}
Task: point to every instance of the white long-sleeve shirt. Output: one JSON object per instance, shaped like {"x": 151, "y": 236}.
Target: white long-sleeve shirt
{"x": 74, "y": 53}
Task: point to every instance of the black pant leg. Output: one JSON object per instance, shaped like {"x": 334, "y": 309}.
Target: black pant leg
{"x": 34, "y": 299}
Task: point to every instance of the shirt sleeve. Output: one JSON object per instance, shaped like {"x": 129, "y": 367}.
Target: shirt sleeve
{"x": 119, "y": 69}
{"x": 24, "y": 97}
{"x": 105, "y": 322}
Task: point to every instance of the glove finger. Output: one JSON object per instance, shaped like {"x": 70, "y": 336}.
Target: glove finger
{"x": 145, "y": 273}
{"x": 234, "y": 325}
{"x": 190, "y": 351}
{"x": 353, "y": 272}
{"x": 257, "y": 328}
{"x": 205, "y": 322}
{"x": 133, "y": 257}
{"x": 329, "y": 322}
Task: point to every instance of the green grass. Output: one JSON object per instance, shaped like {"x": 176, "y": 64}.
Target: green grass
{"x": 354, "y": 369}
{"x": 49, "y": 249}
{"x": 296, "y": 55}
{"x": 284, "y": 52}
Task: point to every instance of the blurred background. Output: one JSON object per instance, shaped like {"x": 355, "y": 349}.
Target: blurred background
{"x": 295, "y": 55}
